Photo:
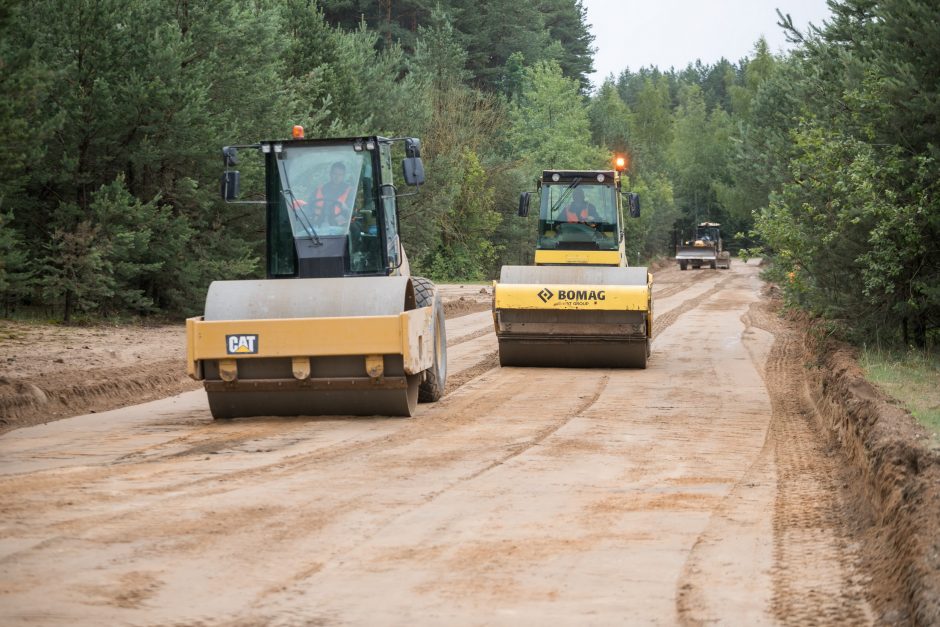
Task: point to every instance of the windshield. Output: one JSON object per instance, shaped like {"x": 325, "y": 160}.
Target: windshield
{"x": 706, "y": 234}
{"x": 322, "y": 185}
{"x": 578, "y": 217}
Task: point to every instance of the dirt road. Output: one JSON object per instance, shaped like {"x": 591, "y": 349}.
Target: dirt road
{"x": 693, "y": 491}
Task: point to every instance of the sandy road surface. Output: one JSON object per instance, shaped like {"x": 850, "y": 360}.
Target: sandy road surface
{"x": 693, "y": 491}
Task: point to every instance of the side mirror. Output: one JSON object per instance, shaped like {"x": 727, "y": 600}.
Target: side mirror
{"x": 524, "y": 199}
{"x": 633, "y": 200}
{"x": 413, "y": 170}
{"x": 230, "y": 185}
{"x": 230, "y": 156}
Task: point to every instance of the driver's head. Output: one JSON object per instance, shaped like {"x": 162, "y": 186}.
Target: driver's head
{"x": 337, "y": 172}
{"x": 578, "y": 196}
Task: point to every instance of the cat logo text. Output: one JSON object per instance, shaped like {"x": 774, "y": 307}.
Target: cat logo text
{"x": 241, "y": 344}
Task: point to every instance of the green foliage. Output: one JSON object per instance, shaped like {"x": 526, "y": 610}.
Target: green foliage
{"x": 651, "y": 128}
{"x": 651, "y": 233}
{"x": 610, "y": 119}
{"x": 118, "y": 258}
{"x": 15, "y": 275}
{"x": 550, "y": 127}
{"x": 466, "y": 226}
{"x": 491, "y": 33}
{"x": 699, "y": 155}
{"x": 855, "y": 221}
{"x": 909, "y": 376}
{"x": 113, "y": 111}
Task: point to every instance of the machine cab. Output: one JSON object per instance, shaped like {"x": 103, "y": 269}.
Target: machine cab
{"x": 706, "y": 234}
{"x": 579, "y": 211}
{"x": 580, "y": 218}
{"x": 331, "y": 206}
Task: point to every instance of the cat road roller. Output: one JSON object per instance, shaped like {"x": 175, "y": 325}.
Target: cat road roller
{"x": 579, "y": 305}
{"x": 339, "y": 327}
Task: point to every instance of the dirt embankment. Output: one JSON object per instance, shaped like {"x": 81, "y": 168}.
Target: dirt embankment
{"x": 49, "y": 372}
{"x": 900, "y": 481}
{"x": 53, "y": 372}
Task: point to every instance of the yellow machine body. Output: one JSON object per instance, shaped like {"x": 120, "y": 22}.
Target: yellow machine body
{"x": 579, "y": 305}
{"x": 338, "y": 327}
{"x": 408, "y": 335}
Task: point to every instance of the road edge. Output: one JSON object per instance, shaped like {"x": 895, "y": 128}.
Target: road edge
{"x": 899, "y": 472}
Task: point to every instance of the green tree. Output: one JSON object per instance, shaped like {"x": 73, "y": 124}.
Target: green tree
{"x": 550, "y": 126}
{"x": 651, "y": 128}
{"x": 610, "y": 119}
{"x": 15, "y": 275}
{"x": 855, "y": 219}
{"x": 466, "y": 226}
{"x": 566, "y": 21}
{"x": 699, "y": 157}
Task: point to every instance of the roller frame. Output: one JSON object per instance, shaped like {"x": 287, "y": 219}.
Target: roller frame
{"x": 544, "y": 331}
{"x": 309, "y": 355}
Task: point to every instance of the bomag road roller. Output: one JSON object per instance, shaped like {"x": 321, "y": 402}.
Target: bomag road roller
{"x": 705, "y": 248}
{"x": 339, "y": 326}
{"x": 579, "y": 305}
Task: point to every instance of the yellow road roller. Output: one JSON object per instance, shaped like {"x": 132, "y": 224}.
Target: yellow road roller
{"x": 579, "y": 305}
{"x": 338, "y": 327}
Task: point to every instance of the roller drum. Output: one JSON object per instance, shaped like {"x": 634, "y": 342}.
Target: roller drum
{"x": 580, "y": 338}
{"x": 337, "y": 385}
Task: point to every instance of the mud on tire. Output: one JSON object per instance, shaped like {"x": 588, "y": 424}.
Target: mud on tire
{"x": 435, "y": 377}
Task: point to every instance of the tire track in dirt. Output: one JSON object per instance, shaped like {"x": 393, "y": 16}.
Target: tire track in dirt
{"x": 664, "y": 321}
{"x": 444, "y": 415}
{"x": 470, "y": 336}
{"x": 587, "y": 401}
{"x": 519, "y": 449}
{"x": 816, "y": 573}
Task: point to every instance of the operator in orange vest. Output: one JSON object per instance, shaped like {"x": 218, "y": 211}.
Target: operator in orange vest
{"x": 579, "y": 210}
{"x": 330, "y": 202}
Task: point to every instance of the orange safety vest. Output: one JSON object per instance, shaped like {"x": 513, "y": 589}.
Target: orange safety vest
{"x": 572, "y": 216}
{"x": 340, "y": 201}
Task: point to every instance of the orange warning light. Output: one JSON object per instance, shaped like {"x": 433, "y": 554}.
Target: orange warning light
{"x": 297, "y": 132}
{"x": 620, "y": 163}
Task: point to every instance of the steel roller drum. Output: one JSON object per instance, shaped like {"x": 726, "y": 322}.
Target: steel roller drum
{"x": 338, "y": 385}
{"x": 308, "y": 298}
{"x": 573, "y": 338}
{"x": 573, "y": 275}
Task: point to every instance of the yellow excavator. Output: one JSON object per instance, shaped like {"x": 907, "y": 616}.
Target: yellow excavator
{"x": 580, "y": 304}
{"x": 339, "y": 327}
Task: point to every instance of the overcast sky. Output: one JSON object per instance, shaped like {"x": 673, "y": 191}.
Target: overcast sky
{"x": 665, "y": 33}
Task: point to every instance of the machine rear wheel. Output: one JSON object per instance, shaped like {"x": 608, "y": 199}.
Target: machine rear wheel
{"x": 435, "y": 377}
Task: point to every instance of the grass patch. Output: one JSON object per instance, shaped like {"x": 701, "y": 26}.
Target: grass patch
{"x": 913, "y": 378}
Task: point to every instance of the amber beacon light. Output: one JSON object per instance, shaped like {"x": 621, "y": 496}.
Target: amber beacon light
{"x": 297, "y": 132}
{"x": 620, "y": 163}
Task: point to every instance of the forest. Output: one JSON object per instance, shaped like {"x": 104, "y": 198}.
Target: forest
{"x": 824, "y": 160}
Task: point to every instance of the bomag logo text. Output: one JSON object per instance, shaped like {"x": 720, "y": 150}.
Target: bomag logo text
{"x": 582, "y": 295}
{"x": 241, "y": 344}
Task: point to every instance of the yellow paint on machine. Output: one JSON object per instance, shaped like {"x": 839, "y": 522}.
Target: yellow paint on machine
{"x": 577, "y": 257}
{"x": 598, "y": 297}
{"x": 410, "y": 334}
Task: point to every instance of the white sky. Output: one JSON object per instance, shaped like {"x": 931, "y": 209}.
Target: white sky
{"x": 673, "y": 33}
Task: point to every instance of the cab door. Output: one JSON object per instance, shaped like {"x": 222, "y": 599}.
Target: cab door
{"x": 389, "y": 210}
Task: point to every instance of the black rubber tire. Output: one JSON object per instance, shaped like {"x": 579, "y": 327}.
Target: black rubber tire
{"x": 683, "y": 265}
{"x": 714, "y": 265}
{"x": 435, "y": 377}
